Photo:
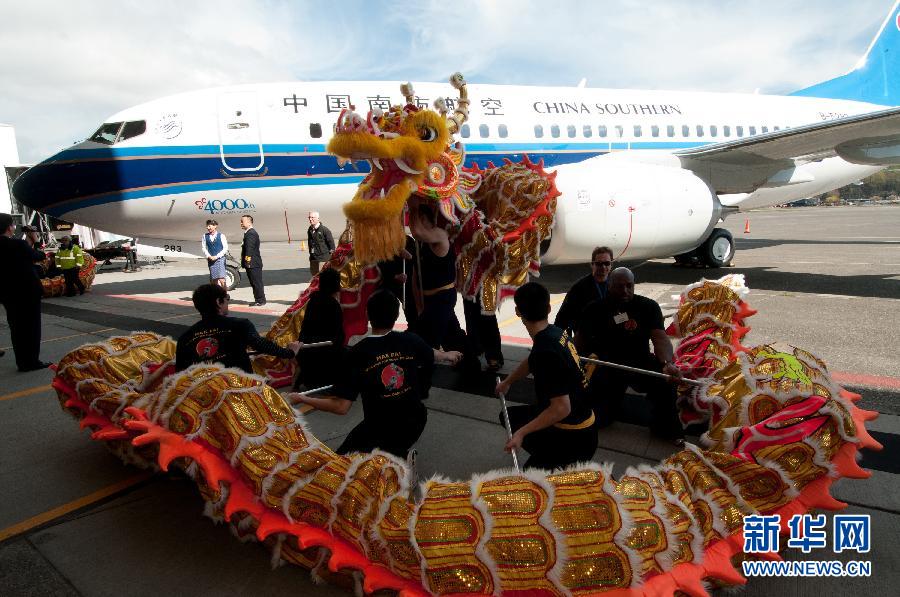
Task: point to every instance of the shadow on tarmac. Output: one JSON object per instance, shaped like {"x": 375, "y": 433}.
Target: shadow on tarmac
{"x": 180, "y": 283}
{"x": 559, "y": 278}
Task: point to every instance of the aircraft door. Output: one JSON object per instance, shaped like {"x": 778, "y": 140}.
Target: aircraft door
{"x": 240, "y": 143}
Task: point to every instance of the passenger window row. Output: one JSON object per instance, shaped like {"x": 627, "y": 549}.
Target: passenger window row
{"x": 654, "y": 130}
{"x": 618, "y": 131}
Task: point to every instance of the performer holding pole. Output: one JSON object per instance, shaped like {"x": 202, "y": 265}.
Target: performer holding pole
{"x": 559, "y": 429}
{"x": 392, "y": 372}
{"x": 620, "y": 329}
{"x": 323, "y": 326}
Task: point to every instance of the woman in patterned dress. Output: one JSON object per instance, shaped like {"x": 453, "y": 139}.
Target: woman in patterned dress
{"x": 215, "y": 247}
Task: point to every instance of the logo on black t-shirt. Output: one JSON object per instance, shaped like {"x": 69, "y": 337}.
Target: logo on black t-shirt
{"x": 207, "y": 348}
{"x": 392, "y": 377}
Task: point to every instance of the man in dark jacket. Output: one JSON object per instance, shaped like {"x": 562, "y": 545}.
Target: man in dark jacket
{"x": 219, "y": 338}
{"x": 252, "y": 261}
{"x": 586, "y": 290}
{"x": 321, "y": 243}
{"x": 21, "y": 296}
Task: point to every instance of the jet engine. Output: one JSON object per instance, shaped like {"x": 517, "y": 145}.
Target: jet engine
{"x": 641, "y": 210}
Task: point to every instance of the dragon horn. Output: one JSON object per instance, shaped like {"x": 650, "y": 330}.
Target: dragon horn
{"x": 461, "y": 112}
{"x": 407, "y": 90}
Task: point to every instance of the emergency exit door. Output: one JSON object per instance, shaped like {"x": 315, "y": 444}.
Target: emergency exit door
{"x": 240, "y": 144}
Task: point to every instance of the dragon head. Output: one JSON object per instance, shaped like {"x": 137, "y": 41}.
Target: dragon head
{"x": 410, "y": 151}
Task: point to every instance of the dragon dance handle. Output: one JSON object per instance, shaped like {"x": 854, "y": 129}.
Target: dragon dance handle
{"x": 641, "y": 371}
{"x": 316, "y": 344}
{"x": 515, "y": 457}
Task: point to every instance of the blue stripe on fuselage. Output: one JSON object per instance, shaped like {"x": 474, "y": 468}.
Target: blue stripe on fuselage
{"x": 79, "y": 178}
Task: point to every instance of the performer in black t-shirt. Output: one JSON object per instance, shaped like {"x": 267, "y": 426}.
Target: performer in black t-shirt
{"x": 559, "y": 429}
{"x": 620, "y": 329}
{"x": 392, "y": 372}
{"x": 219, "y": 338}
{"x": 323, "y": 321}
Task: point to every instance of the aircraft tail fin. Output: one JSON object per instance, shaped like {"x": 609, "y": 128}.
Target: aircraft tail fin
{"x": 876, "y": 77}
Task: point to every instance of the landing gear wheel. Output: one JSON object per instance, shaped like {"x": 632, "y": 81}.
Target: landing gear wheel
{"x": 232, "y": 277}
{"x": 718, "y": 249}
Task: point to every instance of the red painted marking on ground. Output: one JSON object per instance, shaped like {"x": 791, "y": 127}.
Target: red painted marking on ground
{"x": 862, "y": 379}
{"x": 181, "y": 303}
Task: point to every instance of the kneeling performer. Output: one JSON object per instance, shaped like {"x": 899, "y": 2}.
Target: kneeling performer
{"x": 559, "y": 429}
{"x": 392, "y": 372}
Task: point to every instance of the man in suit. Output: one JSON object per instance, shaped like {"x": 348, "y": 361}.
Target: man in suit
{"x": 321, "y": 243}
{"x": 252, "y": 261}
{"x": 21, "y": 296}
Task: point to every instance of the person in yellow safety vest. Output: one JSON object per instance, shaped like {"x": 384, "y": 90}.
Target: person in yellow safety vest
{"x": 70, "y": 258}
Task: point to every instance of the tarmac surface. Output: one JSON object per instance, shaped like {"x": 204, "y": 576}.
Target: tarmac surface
{"x": 74, "y": 520}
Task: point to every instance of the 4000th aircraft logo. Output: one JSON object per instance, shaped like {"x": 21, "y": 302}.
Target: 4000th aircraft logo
{"x": 224, "y": 205}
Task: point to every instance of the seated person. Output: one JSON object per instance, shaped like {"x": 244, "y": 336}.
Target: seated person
{"x": 392, "y": 372}
{"x": 586, "y": 290}
{"x": 219, "y": 338}
{"x": 620, "y": 329}
{"x": 559, "y": 429}
{"x": 323, "y": 321}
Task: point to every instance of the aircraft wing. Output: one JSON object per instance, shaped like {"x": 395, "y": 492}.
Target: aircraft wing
{"x": 776, "y": 159}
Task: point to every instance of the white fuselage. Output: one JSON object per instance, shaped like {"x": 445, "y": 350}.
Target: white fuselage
{"x": 260, "y": 150}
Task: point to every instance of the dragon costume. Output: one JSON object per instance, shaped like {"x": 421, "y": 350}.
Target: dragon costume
{"x": 495, "y": 218}
{"x": 780, "y": 432}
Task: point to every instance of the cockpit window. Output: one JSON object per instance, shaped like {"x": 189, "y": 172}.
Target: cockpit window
{"x": 111, "y": 133}
{"x": 107, "y": 133}
{"x": 132, "y": 129}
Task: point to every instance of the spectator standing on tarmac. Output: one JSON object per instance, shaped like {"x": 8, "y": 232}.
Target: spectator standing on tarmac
{"x": 323, "y": 321}
{"x": 586, "y": 290}
{"x": 252, "y": 261}
{"x": 33, "y": 238}
{"x": 320, "y": 241}
{"x": 69, "y": 259}
{"x": 620, "y": 329}
{"x": 559, "y": 429}
{"x": 21, "y": 296}
{"x": 219, "y": 338}
{"x": 131, "y": 255}
{"x": 215, "y": 248}
{"x": 392, "y": 372}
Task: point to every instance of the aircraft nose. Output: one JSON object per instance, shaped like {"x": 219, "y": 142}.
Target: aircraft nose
{"x": 52, "y": 185}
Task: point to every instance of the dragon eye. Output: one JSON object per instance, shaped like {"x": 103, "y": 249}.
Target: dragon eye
{"x": 427, "y": 134}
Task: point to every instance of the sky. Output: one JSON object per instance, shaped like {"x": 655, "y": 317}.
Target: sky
{"x": 66, "y": 66}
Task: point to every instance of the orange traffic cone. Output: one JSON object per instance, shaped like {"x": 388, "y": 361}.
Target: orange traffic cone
{"x": 747, "y": 226}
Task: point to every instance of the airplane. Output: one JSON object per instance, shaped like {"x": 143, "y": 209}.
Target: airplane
{"x": 648, "y": 173}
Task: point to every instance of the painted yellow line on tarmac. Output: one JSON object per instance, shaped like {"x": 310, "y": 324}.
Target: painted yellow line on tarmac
{"x": 28, "y": 392}
{"x": 513, "y": 320}
{"x": 34, "y": 521}
{"x": 67, "y": 337}
{"x": 192, "y": 314}
{"x": 91, "y": 332}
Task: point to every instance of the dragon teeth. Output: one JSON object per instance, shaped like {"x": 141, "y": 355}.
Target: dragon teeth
{"x": 405, "y": 167}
